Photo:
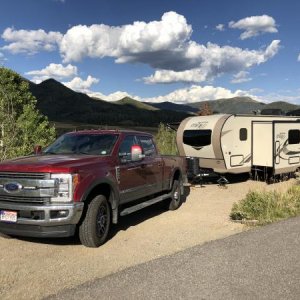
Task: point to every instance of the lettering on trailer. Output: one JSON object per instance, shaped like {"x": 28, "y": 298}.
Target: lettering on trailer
{"x": 199, "y": 125}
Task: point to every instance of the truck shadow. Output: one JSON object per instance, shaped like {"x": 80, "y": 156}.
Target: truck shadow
{"x": 142, "y": 215}
{"x": 123, "y": 224}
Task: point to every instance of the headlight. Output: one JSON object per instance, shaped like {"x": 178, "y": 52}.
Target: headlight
{"x": 65, "y": 186}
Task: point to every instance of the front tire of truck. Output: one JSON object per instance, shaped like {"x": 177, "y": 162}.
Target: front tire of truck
{"x": 95, "y": 226}
{"x": 176, "y": 197}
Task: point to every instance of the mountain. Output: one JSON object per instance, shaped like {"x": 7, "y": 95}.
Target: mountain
{"x": 134, "y": 103}
{"x": 284, "y": 106}
{"x": 62, "y": 104}
{"x": 173, "y": 106}
{"x": 236, "y": 105}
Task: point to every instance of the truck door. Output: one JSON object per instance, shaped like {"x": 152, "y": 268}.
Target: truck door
{"x": 130, "y": 175}
{"x": 153, "y": 166}
{"x": 286, "y": 146}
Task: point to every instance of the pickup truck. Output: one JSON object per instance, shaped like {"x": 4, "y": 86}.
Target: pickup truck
{"x": 84, "y": 182}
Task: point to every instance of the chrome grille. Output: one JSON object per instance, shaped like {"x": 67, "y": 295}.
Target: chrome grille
{"x": 13, "y": 175}
{"x": 24, "y": 200}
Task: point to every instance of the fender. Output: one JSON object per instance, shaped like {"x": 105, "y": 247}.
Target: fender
{"x": 114, "y": 200}
{"x": 173, "y": 175}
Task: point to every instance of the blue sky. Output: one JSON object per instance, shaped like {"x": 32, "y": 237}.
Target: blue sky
{"x": 160, "y": 50}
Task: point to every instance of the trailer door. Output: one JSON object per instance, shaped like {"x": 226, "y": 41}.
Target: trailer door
{"x": 262, "y": 144}
{"x": 287, "y": 146}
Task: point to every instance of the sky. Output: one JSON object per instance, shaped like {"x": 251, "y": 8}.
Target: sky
{"x": 181, "y": 51}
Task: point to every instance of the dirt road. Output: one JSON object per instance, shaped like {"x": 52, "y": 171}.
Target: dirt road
{"x": 35, "y": 268}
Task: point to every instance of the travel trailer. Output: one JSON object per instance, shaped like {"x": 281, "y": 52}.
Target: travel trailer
{"x": 224, "y": 143}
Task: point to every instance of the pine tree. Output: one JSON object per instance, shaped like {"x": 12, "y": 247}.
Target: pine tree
{"x": 21, "y": 125}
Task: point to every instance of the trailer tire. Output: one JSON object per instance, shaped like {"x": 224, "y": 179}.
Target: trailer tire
{"x": 176, "y": 197}
{"x": 95, "y": 226}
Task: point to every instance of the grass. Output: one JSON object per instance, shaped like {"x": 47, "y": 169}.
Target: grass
{"x": 267, "y": 207}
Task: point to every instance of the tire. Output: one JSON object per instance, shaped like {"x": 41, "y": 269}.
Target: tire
{"x": 176, "y": 197}
{"x": 95, "y": 226}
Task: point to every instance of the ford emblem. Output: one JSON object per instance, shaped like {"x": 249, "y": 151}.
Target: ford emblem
{"x": 12, "y": 187}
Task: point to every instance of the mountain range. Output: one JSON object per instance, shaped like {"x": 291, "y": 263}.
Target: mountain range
{"x": 62, "y": 104}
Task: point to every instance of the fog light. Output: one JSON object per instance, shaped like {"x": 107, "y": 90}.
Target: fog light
{"x": 55, "y": 214}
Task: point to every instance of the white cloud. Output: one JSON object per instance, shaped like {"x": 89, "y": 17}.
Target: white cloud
{"x": 198, "y": 93}
{"x": 2, "y": 58}
{"x": 165, "y": 45}
{"x": 139, "y": 41}
{"x": 30, "y": 41}
{"x": 56, "y": 71}
{"x": 298, "y": 59}
{"x": 220, "y": 27}
{"x": 113, "y": 96}
{"x": 241, "y": 77}
{"x": 212, "y": 61}
{"x": 80, "y": 85}
{"x": 254, "y": 26}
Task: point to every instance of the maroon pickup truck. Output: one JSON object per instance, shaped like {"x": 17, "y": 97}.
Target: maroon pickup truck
{"x": 85, "y": 180}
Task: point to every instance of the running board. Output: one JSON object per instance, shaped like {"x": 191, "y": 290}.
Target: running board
{"x": 142, "y": 205}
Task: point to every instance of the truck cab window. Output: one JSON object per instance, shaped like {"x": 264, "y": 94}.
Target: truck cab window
{"x": 147, "y": 145}
{"x": 294, "y": 136}
{"x": 243, "y": 134}
{"x": 197, "y": 138}
{"x": 125, "y": 148}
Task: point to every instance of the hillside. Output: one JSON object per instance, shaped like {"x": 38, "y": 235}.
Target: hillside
{"x": 62, "y": 104}
{"x": 236, "y": 105}
{"x": 173, "y": 106}
{"x": 136, "y": 104}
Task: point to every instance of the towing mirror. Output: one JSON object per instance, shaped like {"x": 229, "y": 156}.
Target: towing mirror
{"x": 37, "y": 149}
{"x": 136, "y": 153}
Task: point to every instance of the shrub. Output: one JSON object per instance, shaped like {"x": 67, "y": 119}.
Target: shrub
{"x": 166, "y": 140}
{"x": 267, "y": 207}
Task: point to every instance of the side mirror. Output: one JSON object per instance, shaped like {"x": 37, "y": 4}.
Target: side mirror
{"x": 136, "y": 153}
{"x": 37, "y": 149}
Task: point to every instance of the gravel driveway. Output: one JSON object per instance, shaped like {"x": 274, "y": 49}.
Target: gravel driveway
{"x": 35, "y": 268}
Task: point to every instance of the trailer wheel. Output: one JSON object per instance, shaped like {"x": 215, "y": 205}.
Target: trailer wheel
{"x": 95, "y": 226}
{"x": 176, "y": 197}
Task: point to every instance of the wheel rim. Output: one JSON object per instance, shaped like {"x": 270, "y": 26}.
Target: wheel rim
{"x": 101, "y": 220}
{"x": 176, "y": 194}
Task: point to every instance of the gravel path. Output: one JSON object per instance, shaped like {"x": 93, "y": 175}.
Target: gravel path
{"x": 35, "y": 268}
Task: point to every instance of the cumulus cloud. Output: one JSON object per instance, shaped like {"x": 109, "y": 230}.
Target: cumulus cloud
{"x": 113, "y": 96}
{"x": 254, "y": 26}
{"x": 298, "y": 59}
{"x": 220, "y": 27}
{"x": 241, "y": 77}
{"x": 140, "y": 41}
{"x": 198, "y": 93}
{"x": 30, "y": 41}
{"x": 165, "y": 45}
{"x": 212, "y": 61}
{"x": 57, "y": 71}
{"x": 80, "y": 85}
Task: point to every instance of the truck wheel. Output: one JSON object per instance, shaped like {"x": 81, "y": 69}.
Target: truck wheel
{"x": 176, "y": 198}
{"x": 94, "y": 229}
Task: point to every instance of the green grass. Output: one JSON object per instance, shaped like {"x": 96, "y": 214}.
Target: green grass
{"x": 267, "y": 207}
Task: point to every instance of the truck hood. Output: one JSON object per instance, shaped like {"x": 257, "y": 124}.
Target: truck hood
{"x": 50, "y": 163}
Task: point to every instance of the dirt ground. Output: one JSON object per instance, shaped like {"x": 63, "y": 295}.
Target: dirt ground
{"x": 35, "y": 268}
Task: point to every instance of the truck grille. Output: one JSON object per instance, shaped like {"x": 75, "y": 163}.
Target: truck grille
{"x": 11, "y": 175}
{"x": 24, "y": 200}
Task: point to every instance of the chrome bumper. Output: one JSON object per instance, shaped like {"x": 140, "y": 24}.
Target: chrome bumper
{"x": 74, "y": 213}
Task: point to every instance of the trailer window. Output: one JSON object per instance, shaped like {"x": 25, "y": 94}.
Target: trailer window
{"x": 197, "y": 138}
{"x": 294, "y": 136}
{"x": 243, "y": 134}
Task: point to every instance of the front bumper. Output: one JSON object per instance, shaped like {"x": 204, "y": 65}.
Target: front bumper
{"x": 42, "y": 220}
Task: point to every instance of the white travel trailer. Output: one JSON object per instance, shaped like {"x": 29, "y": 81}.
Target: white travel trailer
{"x": 242, "y": 143}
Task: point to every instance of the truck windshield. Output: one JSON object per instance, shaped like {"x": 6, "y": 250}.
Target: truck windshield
{"x": 90, "y": 144}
